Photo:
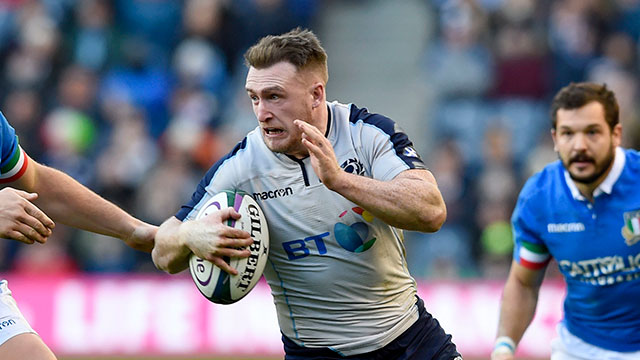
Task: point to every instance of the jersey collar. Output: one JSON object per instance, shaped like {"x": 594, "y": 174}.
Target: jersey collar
{"x": 329, "y": 117}
{"x": 605, "y": 186}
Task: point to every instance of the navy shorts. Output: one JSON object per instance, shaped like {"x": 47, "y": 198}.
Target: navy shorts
{"x": 424, "y": 340}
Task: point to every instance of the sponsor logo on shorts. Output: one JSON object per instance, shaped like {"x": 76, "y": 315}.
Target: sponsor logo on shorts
{"x": 7, "y": 323}
{"x": 273, "y": 194}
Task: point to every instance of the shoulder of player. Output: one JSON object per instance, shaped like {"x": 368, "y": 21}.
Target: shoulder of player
{"x": 6, "y": 130}
{"x": 361, "y": 123}
{"x": 237, "y": 156}
{"x": 357, "y": 115}
{"x": 630, "y": 175}
{"x": 8, "y": 140}
{"x": 237, "y": 163}
{"x": 249, "y": 146}
{"x": 3, "y": 122}
{"x": 632, "y": 159}
{"x": 544, "y": 184}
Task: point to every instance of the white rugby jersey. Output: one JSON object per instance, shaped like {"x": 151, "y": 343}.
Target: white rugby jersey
{"x": 337, "y": 274}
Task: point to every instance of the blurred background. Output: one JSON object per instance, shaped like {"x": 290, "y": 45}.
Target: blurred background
{"x": 137, "y": 98}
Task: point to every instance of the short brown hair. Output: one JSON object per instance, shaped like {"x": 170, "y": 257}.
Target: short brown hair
{"x": 299, "y": 47}
{"x": 577, "y": 95}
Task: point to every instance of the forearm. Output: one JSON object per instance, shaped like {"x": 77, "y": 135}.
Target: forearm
{"x": 170, "y": 254}
{"x": 69, "y": 202}
{"x": 517, "y": 309}
{"x": 411, "y": 201}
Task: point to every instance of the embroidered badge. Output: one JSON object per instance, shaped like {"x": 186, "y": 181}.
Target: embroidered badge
{"x": 353, "y": 166}
{"x": 631, "y": 228}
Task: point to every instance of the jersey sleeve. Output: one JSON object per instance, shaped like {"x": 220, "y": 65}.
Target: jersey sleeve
{"x": 529, "y": 249}
{"x": 13, "y": 161}
{"x": 221, "y": 176}
{"x": 387, "y": 146}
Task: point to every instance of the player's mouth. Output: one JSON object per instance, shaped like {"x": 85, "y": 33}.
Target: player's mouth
{"x": 273, "y": 132}
{"x": 581, "y": 160}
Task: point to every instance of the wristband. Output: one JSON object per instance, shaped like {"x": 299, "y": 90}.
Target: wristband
{"x": 504, "y": 345}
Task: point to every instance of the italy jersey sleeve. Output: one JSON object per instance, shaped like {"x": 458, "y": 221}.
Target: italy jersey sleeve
{"x": 387, "y": 147}
{"x": 529, "y": 250}
{"x": 13, "y": 161}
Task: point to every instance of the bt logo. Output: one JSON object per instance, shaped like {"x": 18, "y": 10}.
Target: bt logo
{"x": 352, "y": 238}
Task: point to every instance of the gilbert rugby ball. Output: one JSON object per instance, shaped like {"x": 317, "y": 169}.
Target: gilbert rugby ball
{"x": 217, "y": 285}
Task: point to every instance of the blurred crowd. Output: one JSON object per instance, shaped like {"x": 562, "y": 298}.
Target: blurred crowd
{"x": 494, "y": 66}
{"x": 137, "y": 98}
{"x": 133, "y": 98}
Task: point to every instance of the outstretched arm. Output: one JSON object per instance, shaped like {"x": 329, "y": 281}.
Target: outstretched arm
{"x": 410, "y": 201}
{"x": 519, "y": 300}
{"x": 71, "y": 203}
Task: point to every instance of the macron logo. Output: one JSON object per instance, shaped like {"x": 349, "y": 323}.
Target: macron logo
{"x": 565, "y": 227}
{"x": 273, "y": 194}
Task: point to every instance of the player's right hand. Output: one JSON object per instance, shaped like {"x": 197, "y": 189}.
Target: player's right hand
{"x": 20, "y": 219}
{"x": 210, "y": 238}
{"x": 321, "y": 153}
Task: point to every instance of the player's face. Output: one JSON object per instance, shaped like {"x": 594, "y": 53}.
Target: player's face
{"x": 279, "y": 95}
{"x": 585, "y": 143}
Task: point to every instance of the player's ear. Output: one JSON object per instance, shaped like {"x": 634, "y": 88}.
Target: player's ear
{"x": 553, "y": 136}
{"x": 317, "y": 94}
{"x": 616, "y": 134}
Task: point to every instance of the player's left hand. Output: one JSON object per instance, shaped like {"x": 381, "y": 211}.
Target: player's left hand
{"x": 142, "y": 238}
{"x": 323, "y": 157}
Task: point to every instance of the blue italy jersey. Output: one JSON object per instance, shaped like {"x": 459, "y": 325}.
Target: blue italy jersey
{"x": 596, "y": 245}
{"x": 338, "y": 275}
{"x": 13, "y": 161}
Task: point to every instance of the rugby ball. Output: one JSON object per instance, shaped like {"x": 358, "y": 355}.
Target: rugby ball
{"x": 217, "y": 285}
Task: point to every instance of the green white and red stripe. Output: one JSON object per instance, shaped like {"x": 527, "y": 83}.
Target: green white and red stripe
{"x": 15, "y": 167}
{"x": 633, "y": 223}
{"x": 533, "y": 256}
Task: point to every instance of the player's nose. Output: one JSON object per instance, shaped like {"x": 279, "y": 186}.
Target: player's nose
{"x": 579, "y": 142}
{"x": 263, "y": 113}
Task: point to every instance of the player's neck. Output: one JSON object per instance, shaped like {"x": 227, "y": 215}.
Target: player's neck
{"x": 587, "y": 189}
{"x": 321, "y": 118}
